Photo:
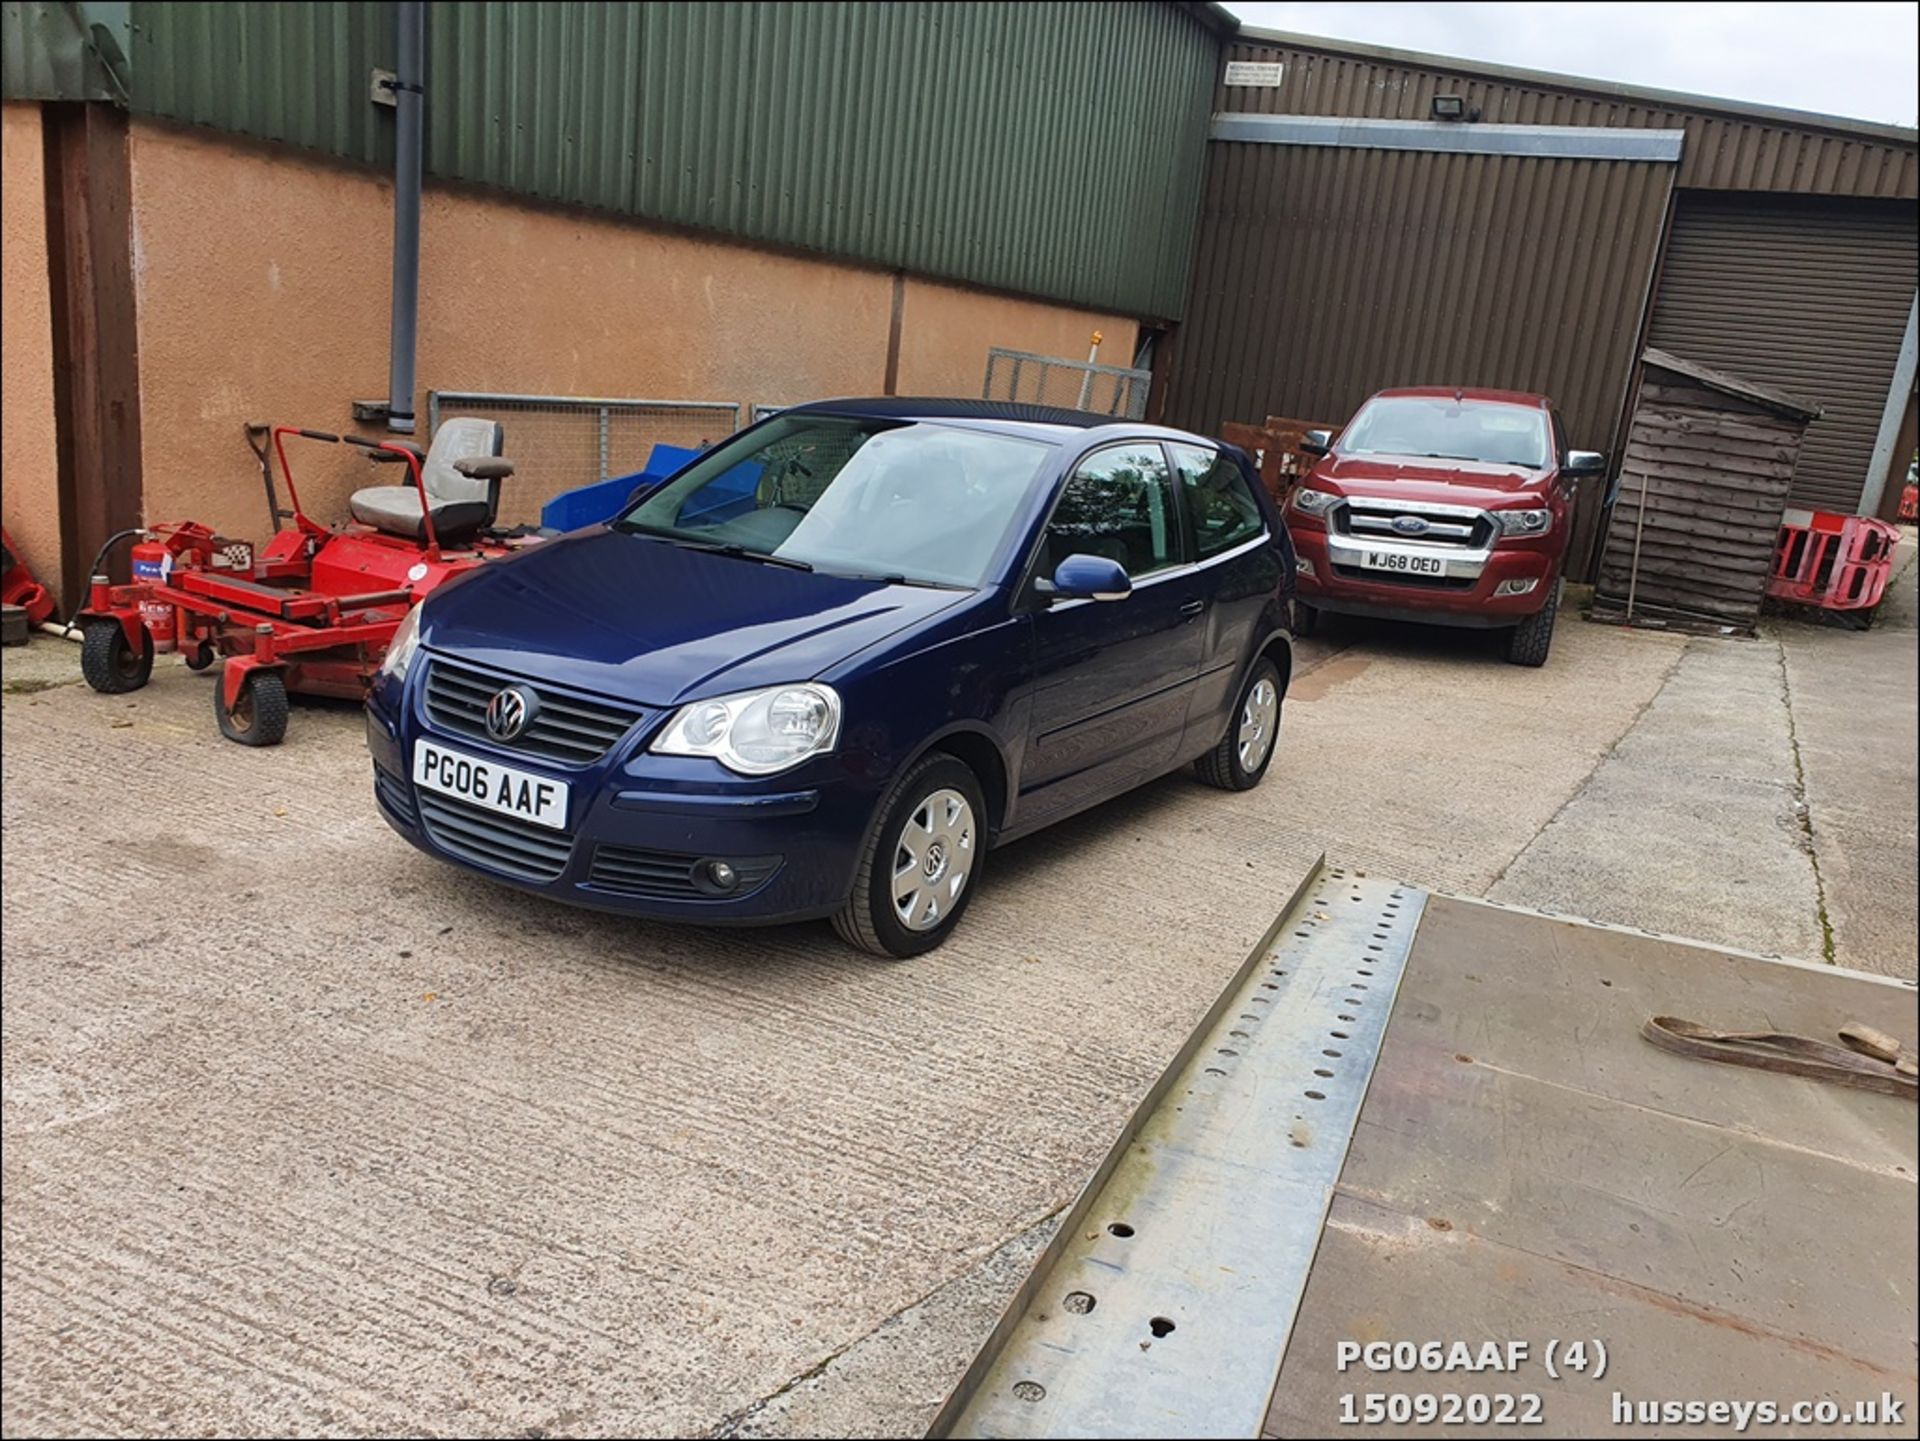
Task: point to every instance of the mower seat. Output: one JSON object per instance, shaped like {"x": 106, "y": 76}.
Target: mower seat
{"x": 461, "y": 503}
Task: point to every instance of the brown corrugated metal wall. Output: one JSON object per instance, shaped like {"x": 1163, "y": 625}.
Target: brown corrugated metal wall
{"x": 1724, "y": 150}
{"x": 1809, "y": 296}
{"x": 1324, "y": 274}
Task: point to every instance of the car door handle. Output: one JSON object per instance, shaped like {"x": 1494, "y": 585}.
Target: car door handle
{"x": 1193, "y": 608}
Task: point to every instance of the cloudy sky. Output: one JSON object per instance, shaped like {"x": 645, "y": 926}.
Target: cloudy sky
{"x": 1839, "y": 59}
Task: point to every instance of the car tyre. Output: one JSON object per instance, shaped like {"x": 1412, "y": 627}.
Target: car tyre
{"x": 1529, "y": 641}
{"x": 1253, "y": 733}
{"x": 110, "y": 664}
{"x": 259, "y": 716}
{"x": 932, "y": 824}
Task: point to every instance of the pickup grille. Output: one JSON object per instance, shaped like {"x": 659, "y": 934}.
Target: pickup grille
{"x": 1374, "y": 520}
{"x": 565, "y": 728}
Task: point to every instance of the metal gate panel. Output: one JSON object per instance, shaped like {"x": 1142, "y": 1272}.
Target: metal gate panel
{"x": 562, "y": 442}
{"x": 1016, "y": 375}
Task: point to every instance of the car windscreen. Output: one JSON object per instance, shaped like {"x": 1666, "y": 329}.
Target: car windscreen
{"x": 1442, "y": 428}
{"x": 909, "y": 500}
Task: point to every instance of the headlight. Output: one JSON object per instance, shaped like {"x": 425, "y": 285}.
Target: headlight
{"x": 756, "y": 732}
{"x": 1524, "y": 522}
{"x": 1313, "y": 502}
{"x": 406, "y": 640}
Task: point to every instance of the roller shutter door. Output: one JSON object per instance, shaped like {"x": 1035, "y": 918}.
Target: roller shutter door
{"x": 1809, "y": 296}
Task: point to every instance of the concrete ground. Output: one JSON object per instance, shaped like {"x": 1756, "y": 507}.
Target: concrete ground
{"x": 305, "y": 1132}
{"x": 1766, "y": 798}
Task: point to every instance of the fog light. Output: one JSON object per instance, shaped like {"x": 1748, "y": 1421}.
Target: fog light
{"x": 1515, "y": 587}
{"x": 721, "y": 876}
{"x": 1304, "y": 566}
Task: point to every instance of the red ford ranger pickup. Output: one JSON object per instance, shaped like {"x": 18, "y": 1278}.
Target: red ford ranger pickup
{"x": 1445, "y": 506}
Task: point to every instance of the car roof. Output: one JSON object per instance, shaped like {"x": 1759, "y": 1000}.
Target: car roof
{"x": 1469, "y": 392}
{"x": 1041, "y": 422}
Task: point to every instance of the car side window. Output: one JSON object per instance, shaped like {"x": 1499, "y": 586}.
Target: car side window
{"x": 1117, "y": 504}
{"x": 1219, "y": 504}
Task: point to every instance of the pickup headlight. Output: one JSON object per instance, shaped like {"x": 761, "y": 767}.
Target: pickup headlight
{"x": 406, "y": 640}
{"x": 756, "y": 732}
{"x": 1524, "y": 522}
{"x": 1313, "y": 502}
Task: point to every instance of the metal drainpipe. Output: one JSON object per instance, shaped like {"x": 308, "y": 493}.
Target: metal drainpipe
{"x": 409, "y": 96}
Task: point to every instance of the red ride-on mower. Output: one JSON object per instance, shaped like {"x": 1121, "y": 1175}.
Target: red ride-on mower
{"x": 314, "y": 610}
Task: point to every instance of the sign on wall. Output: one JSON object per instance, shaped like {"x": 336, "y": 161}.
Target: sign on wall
{"x": 1263, "y": 74}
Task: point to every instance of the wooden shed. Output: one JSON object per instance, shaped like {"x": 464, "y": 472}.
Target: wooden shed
{"x": 1709, "y": 463}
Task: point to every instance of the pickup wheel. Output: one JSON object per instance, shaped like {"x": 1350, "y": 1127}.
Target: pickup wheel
{"x": 1246, "y": 750}
{"x": 1529, "y": 641}
{"x": 922, "y": 864}
{"x": 1306, "y": 620}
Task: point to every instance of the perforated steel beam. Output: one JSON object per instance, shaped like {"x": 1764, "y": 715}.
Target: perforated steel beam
{"x": 1164, "y": 1304}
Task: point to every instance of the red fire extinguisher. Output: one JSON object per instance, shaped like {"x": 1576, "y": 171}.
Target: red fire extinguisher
{"x": 153, "y": 565}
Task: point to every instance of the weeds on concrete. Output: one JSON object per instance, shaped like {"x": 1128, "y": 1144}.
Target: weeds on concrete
{"x": 1803, "y": 813}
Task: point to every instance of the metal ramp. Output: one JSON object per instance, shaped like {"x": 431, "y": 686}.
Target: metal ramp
{"x": 1421, "y": 1117}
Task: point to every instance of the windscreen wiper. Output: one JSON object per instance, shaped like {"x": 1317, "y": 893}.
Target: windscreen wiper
{"x": 894, "y": 577}
{"x": 712, "y": 547}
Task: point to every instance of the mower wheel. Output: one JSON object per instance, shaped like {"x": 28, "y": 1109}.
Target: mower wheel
{"x": 259, "y": 717}
{"x": 202, "y": 656}
{"x": 110, "y": 664}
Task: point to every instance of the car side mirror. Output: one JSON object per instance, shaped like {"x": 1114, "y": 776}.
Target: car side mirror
{"x": 1584, "y": 462}
{"x": 1317, "y": 442}
{"x": 1089, "y": 577}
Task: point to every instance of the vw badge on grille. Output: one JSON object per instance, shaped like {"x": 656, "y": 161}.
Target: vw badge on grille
{"x": 510, "y": 712}
{"x": 1410, "y": 525}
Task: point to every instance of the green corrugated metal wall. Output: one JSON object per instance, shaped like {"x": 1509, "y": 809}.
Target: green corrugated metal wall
{"x": 299, "y": 72}
{"x": 1049, "y": 149}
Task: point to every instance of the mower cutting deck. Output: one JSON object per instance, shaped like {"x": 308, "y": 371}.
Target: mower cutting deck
{"x": 313, "y": 611}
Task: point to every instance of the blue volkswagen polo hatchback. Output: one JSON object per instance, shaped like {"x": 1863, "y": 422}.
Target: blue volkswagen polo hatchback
{"x": 830, "y": 664}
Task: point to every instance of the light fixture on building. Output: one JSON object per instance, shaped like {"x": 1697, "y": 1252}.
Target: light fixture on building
{"x": 1449, "y": 107}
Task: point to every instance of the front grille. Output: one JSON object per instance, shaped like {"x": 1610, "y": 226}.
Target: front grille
{"x": 667, "y": 875}
{"x": 1373, "y": 520}
{"x": 392, "y": 793}
{"x": 564, "y": 728}
{"x": 505, "y": 844}
{"x": 1400, "y": 577}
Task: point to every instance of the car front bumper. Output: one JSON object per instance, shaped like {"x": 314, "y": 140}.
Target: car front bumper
{"x": 643, "y": 830}
{"x": 1468, "y": 592}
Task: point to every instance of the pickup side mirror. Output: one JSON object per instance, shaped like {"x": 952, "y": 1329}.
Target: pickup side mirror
{"x": 1088, "y": 577}
{"x": 1317, "y": 442}
{"x": 1584, "y": 462}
